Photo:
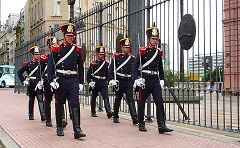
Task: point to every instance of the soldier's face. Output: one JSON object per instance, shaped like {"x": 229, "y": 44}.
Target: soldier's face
{"x": 36, "y": 56}
{"x": 126, "y": 50}
{"x": 101, "y": 56}
{"x": 153, "y": 41}
{"x": 69, "y": 39}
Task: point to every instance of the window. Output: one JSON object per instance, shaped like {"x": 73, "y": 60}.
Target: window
{"x": 39, "y": 11}
{"x": 228, "y": 65}
{"x": 35, "y": 14}
{"x": 228, "y": 54}
{"x": 57, "y": 7}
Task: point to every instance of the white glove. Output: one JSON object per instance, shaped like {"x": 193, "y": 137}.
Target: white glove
{"x": 26, "y": 82}
{"x": 40, "y": 85}
{"x": 54, "y": 84}
{"x": 139, "y": 82}
{"x": 161, "y": 83}
{"x": 91, "y": 84}
{"x": 80, "y": 87}
{"x": 113, "y": 82}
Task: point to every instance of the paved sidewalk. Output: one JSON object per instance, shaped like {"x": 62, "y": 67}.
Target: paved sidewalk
{"x": 101, "y": 132}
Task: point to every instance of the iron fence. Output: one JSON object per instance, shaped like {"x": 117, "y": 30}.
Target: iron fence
{"x": 209, "y": 87}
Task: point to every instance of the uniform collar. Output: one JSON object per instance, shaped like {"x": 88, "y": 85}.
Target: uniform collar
{"x": 124, "y": 54}
{"x": 99, "y": 60}
{"x": 35, "y": 61}
{"x": 67, "y": 44}
{"x": 151, "y": 47}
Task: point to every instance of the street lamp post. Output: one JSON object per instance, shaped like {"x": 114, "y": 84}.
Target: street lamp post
{"x": 181, "y": 49}
{"x": 71, "y": 3}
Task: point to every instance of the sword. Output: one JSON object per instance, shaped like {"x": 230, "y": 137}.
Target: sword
{"x": 114, "y": 73}
{"x": 140, "y": 64}
{"x": 66, "y": 111}
{"x": 140, "y": 57}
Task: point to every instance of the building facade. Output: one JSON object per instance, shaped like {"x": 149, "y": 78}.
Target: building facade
{"x": 44, "y": 15}
{"x": 231, "y": 24}
{"x": 6, "y": 39}
{"x": 201, "y": 63}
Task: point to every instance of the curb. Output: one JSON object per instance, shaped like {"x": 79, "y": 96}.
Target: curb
{"x": 6, "y": 141}
{"x": 213, "y": 134}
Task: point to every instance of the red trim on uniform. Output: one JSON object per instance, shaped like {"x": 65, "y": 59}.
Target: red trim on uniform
{"x": 35, "y": 61}
{"x": 93, "y": 64}
{"x": 133, "y": 58}
{"x": 56, "y": 48}
{"x": 160, "y": 52}
{"x": 107, "y": 62}
{"x": 130, "y": 51}
{"x": 25, "y": 64}
{"x": 79, "y": 50}
{"x": 143, "y": 50}
{"x": 67, "y": 44}
{"x": 44, "y": 58}
{"x": 116, "y": 56}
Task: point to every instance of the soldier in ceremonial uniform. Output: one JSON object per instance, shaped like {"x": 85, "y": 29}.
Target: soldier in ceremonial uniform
{"x": 48, "y": 92}
{"x": 34, "y": 82}
{"x": 98, "y": 81}
{"x": 65, "y": 74}
{"x": 150, "y": 79}
{"x": 120, "y": 76}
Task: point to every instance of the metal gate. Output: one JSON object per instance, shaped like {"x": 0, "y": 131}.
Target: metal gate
{"x": 205, "y": 79}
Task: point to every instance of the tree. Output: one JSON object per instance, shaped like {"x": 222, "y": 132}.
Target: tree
{"x": 215, "y": 75}
{"x": 171, "y": 77}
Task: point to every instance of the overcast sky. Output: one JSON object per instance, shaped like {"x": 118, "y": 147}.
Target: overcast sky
{"x": 11, "y": 6}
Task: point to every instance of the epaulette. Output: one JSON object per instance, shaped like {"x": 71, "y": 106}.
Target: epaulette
{"x": 116, "y": 56}
{"x": 133, "y": 57}
{"x": 79, "y": 49}
{"x": 25, "y": 64}
{"x": 56, "y": 48}
{"x": 107, "y": 62}
{"x": 44, "y": 58}
{"x": 160, "y": 52}
{"x": 93, "y": 64}
{"x": 143, "y": 50}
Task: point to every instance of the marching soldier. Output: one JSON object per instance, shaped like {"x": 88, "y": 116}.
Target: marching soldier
{"x": 65, "y": 73}
{"x": 120, "y": 76}
{"x": 150, "y": 79}
{"x": 97, "y": 79}
{"x": 48, "y": 93}
{"x": 33, "y": 82}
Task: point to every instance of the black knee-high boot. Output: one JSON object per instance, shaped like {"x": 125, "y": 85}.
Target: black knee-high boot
{"x": 93, "y": 107}
{"x": 162, "y": 128}
{"x": 64, "y": 121}
{"x": 78, "y": 133}
{"x": 141, "y": 113}
{"x": 133, "y": 112}
{"x": 107, "y": 107}
{"x": 59, "y": 112}
{"x": 30, "y": 107}
{"x": 41, "y": 107}
{"x": 47, "y": 104}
